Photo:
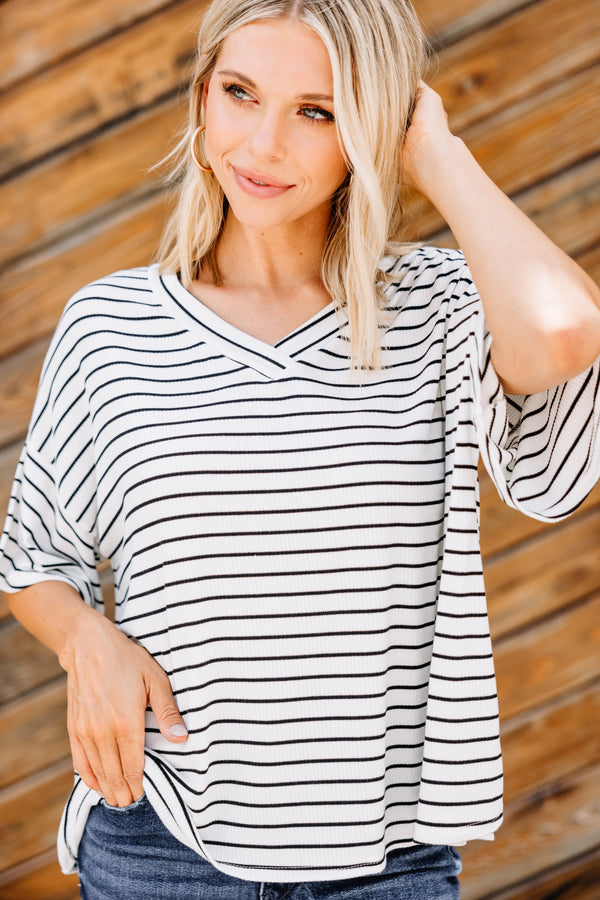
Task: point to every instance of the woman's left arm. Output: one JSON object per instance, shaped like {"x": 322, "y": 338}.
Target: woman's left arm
{"x": 542, "y": 309}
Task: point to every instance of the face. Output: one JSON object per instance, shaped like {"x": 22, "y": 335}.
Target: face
{"x": 270, "y": 135}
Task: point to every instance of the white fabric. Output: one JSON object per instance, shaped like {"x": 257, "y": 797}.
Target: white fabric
{"x": 299, "y": 549}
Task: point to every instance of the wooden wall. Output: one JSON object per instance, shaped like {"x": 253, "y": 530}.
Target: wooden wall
{"x": 91, "y": 99}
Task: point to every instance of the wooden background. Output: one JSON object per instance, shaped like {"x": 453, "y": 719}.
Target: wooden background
{"x": 92, "y": 98}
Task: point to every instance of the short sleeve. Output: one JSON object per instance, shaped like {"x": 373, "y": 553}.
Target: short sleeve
{"x": 542, "y": 450}
{"x": 49, "y": 534}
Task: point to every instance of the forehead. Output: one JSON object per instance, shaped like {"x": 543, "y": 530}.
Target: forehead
{"x": 283, "y": 51}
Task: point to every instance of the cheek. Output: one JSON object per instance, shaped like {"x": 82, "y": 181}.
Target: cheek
{"x": 223, "y": 127}
{"x": 331, "y": 166}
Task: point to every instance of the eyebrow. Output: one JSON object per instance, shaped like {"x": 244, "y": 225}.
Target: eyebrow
{"x": 231, "y": 73}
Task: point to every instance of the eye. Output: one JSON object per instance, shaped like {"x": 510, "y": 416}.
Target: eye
{"x": 316, "y": 114}
{"x": 237, "y": 93}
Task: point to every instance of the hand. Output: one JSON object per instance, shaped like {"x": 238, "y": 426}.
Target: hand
{"x": 427, "y": 135}
{"x": 111, "y": 681}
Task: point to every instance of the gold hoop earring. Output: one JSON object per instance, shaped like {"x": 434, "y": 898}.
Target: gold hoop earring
{"x": 202, "y": 168}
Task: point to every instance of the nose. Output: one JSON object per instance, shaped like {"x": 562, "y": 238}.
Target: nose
{"x": 267, "y": 138}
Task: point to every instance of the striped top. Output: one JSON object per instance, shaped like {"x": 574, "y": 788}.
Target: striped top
{"x": 299, "y": 549}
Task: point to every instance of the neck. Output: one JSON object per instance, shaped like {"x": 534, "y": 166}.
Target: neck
{"x": 271, "y": 260}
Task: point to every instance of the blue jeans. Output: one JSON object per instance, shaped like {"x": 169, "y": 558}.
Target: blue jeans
{"x": 128, "y": 854}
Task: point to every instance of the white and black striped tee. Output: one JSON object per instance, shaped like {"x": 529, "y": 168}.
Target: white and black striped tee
{"x": 300, "y": 552}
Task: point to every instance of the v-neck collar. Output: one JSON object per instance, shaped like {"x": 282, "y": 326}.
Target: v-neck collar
{"x": 271, "y": 361}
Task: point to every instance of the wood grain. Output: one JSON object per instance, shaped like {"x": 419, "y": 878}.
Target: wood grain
{"x": 565, "y": 207}
{"x": 112, "y": 80}
{"x": 531, "y": 141}
{"x": 37, "y": 722}
{"x": 26, "y": 664}
{"x": 34, "y": 291}
{"x": 38, "y": 878}
{"x": 538, "y": 833}
{"x": 562, "y": 652}
{"x": 41, "y": 33}
{"x": 577, "y": 879}
{"x": 495, "y": 68}
{"x": 9, "y": 457}
{"x": 85, "y": 182}
{"x": 545, "y": 574}
{"x": 30, "y": 813}
{"x": 451, "y": 20}
{"x": 574, "y": 101}
{"x": 590, "y": 262}
{"x": 503, "y": 527}
{"x": 19, "y": 377}
{"x": 101, "y": 176}
{"x": 546, "y": 743}
{"x": 92, "y": 101}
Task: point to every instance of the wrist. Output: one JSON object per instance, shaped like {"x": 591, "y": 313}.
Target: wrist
{"x": 434, "y": 162}
{"x": 79, "y": 634}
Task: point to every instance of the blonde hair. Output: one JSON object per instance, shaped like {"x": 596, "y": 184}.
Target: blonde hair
{"x": 378, "y": 54}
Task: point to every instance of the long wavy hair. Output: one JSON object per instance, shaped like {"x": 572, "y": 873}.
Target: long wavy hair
{"x": 378, "y": 53}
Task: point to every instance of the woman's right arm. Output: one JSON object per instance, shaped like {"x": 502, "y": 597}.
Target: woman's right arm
{"x": 111, "y": 681}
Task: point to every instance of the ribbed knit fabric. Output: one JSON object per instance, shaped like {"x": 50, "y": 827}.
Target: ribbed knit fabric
{"x": 299, "y": 549}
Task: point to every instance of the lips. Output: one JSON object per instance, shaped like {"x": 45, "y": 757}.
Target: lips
{"x": 258, "y": 185}
{"x": 260, "y": 178}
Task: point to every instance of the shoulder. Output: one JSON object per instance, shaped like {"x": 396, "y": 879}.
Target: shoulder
{"x": 96, "y": 309}
{"x": 425, "y": 280}
{"x": 425, "y": 266}
{"x": 119, "y": 289}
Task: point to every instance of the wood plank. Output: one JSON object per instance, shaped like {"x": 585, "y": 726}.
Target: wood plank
{"x": 84, "y": 185}
{"x": 56, "y": 196}
{"x": 40, "y": 33}
{"x": 548, "y": 572}
{"x": 559, "y": 654}
{"x": 26, "y": 664}
{"x": 451, "y": 20}
{"x": 540, "y": 745}
{"x": 541, "y": 135}
{"x": 19, "y": 377}
{"x": 501, "y": 65}
{"x": 531, "y": 141}
{"x": 27, "y": 291}
{"x": 30, "y": 814}
{"x": 503, "y": 527}
{"x": 39, "y": 878}
{"x": 112, "y": 80}
{"x": 577, "y": 879}
{"x": 590, "y": 261}
{"x": 550, "y": 741}
{"x": 565, "y": 207}
{"x": 91, "y": 89}
{"x": 37, "y": 722}
{"x": 35, "y": 291}
{"x": 9, "y": 457}
{"x": 538, "y": 832}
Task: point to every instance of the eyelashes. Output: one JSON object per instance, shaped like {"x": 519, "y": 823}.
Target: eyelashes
{"x": 322, "y": 116}
{"x": 231, "y": 90}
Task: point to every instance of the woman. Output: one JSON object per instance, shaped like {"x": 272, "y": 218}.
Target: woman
{"x": 272, "y": 434}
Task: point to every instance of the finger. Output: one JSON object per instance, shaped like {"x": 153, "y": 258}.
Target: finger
{"x": 162, "y": 703}
{"x": 81, "y": 764}
{"x": 106, "y": 762}
{"x": 131, "y": 753}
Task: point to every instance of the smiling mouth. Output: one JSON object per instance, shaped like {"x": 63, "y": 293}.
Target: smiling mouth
{"x": 261, "y": 181}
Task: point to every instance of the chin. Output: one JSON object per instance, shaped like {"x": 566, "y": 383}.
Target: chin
{"x": 257, "y": 218}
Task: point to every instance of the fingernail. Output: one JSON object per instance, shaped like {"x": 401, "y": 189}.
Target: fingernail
{"x": 178, "y": 730}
